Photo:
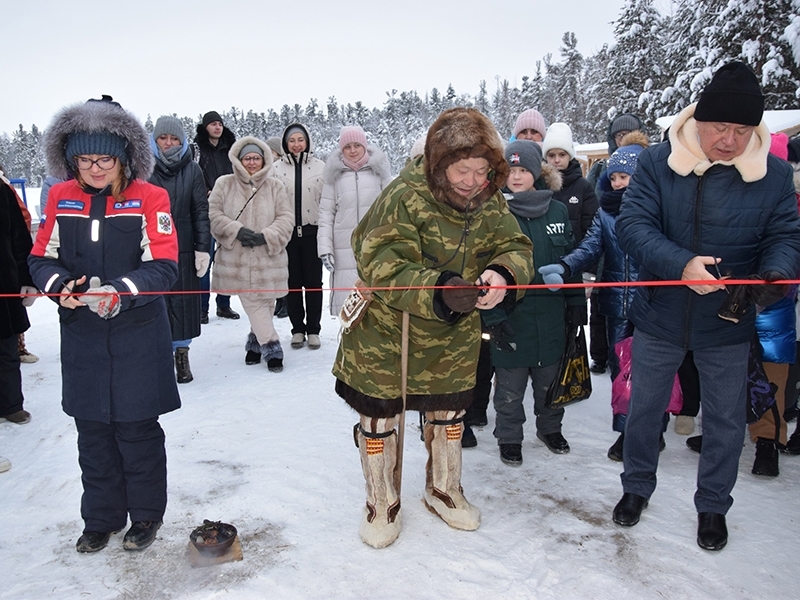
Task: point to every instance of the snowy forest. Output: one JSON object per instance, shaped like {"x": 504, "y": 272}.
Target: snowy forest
{"x": 657, "y": 64}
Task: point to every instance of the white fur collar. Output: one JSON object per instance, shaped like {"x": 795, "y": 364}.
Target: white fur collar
{"x": 687, "y": 156}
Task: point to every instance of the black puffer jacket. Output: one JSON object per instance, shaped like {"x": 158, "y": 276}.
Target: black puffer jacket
{"x": 189, "y": 206}
{"x": 15, "y": 245}
{"x": 579, "y": 197}
{"x": 214, "y": 160}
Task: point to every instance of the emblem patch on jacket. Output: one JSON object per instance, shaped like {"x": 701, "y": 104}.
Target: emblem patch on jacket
{"x": 164, "y": 223}
{"x": 128, "y": 204}
{"x": 573, "y": 200}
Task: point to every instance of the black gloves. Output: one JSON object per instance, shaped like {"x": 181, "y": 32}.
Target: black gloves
{"x": 764, "y": 295}
{"x": 463, "y": 297}
{"x": 249, "y": 238}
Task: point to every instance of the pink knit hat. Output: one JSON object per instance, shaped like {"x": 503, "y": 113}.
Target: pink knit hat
{"x": 352, "y": 134}
{"x": 780, "y": 145}
{"x": 530, "y": 119}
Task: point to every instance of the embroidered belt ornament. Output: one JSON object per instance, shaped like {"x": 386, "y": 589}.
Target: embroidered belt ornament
{"x": 355, "y": 306}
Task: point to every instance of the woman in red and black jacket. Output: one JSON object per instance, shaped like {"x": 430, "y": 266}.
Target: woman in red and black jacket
{"x": 105, "y": 243}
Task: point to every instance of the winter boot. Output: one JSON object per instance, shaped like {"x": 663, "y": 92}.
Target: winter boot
{"x": 272, "y": 353}
{"x": 182, "y": 365}
{"x": 377, "y": 444}
{"x": 766, "y": 462}
{"x": 253, "y": 356}
{"x": 443, "y": 493}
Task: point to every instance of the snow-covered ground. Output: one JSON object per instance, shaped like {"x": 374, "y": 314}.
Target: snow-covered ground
{"x": 274, "y": 455}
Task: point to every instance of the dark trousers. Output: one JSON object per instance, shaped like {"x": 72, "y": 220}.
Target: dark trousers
{"x": 598, "y": 344}
{"x": 305, "y": 271}
{"x": 222, "y": 300}
{"x": 10, "y": 377}
{"x": 723, "y": 375}
{"x": 483, "y": 384}
{"x": 123, "y": 471}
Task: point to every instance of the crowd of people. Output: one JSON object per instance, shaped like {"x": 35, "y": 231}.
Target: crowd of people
{"x": 423, "y": 268}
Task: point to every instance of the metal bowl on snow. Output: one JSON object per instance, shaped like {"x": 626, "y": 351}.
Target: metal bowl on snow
{"x": 213, "y": 538}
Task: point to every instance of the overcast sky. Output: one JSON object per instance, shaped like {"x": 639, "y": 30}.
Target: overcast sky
{"x": 164, "y": 57}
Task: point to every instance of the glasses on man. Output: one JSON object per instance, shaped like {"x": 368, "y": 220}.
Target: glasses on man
{"x": 84, "y": 163}
{"x": 254, "y": 158}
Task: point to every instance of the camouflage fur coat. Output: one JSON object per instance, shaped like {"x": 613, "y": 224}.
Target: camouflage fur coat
{"x": 408, "y": 239}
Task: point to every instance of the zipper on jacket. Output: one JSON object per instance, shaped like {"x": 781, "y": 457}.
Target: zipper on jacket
{"x": 696, "y": 249}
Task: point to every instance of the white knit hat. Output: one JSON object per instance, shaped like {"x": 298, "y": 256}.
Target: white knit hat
{"x": 559, "y": 136}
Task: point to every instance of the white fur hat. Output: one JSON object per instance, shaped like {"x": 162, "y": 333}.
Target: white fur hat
{"x": 559, "y": 136}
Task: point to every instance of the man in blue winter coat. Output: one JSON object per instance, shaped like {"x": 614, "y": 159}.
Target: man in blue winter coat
{"x": 710, "y": 203}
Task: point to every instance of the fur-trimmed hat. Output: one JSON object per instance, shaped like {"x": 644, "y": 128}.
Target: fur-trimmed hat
{"x": 559, "y": 136}
{"x": 732, "y": 96}
{"x": 92, "y": 126}
{"x": 456, "y": 134}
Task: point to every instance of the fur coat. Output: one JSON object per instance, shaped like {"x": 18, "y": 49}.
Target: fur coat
{"x": 263, "y": 268}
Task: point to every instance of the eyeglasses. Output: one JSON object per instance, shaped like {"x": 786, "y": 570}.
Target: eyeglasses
{"x": 252, "y": 159}
{"x": 84, "y": 163}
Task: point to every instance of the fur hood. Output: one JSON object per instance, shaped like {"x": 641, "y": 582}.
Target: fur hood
{"x": 456, "y": 134}
{"x": 550, "y": 179}
{"x": 635, "y": 137}
{"x": 238, "y": 168}
{"x": 377, "y": 162}
{"x": 201, "y": 137}
{"x": 96, "y": 117}
{"x": 687, "y": 156}
{"x": 288, "y": 156}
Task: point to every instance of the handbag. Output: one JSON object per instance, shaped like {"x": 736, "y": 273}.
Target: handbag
{"x": 355, "y": 306}
{"x": 573, "y": 382}
{"x": 621, "y": 386}
{"x": 760, "y": 390}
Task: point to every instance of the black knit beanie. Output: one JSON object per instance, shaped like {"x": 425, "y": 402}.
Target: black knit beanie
{"x": 732, "y": 96}
{"x": 210, "y": 117}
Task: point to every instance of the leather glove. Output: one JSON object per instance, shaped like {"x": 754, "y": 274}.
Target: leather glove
{"x": 462, "y": 297}
{"x": 575, "y": 316}
{"x": 738, "y": 302}
{"x": 327, "y": 262}
{"x": 101, "y": 299}
{"x": 765, "y": 294}
{"x": 501, "y": 334}
{"x": 246, "y": 237}
{"x": 28, "y": 300}
{"x": 201, "y": 262}
{"x": 552, "y": 274}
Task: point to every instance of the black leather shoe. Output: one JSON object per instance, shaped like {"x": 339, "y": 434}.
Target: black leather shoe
{"x": 227, "y": 313}
{"x": 511, "y": 454}
{"x": 252, "y": 358}
{"x": 554, "y": 441}
{"x": 93, "y": 541}
{"x": 140, "y": 535}
{"x": 712, "y": 533}
{"x": 615, "y": 452}
{"x": 204, "y": 318}
{"x": 695, "y": 443}
{"x": 629, "y": 509}
{"x": 766, "y": 462}
{"x": 468, "y": 439}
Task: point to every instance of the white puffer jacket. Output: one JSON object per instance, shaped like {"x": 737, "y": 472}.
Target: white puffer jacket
{"x": 346, "y": 197}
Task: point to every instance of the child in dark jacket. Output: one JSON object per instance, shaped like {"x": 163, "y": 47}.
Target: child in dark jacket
{"x": 601, "y": 240}
{"x": 528, "y": 340}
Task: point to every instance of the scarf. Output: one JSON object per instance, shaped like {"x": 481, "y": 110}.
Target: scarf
{"x": 531, "y": 204}
{"x": 172, "y": 156}
{"x": 355, "y": 166}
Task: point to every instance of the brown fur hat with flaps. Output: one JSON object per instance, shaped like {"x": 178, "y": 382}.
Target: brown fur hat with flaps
{"x": 463, "y": 133}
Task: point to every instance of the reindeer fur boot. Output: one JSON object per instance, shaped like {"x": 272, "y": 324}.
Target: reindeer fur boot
{"x": 443, "y": 493}
{"x": 377, "y": 444}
